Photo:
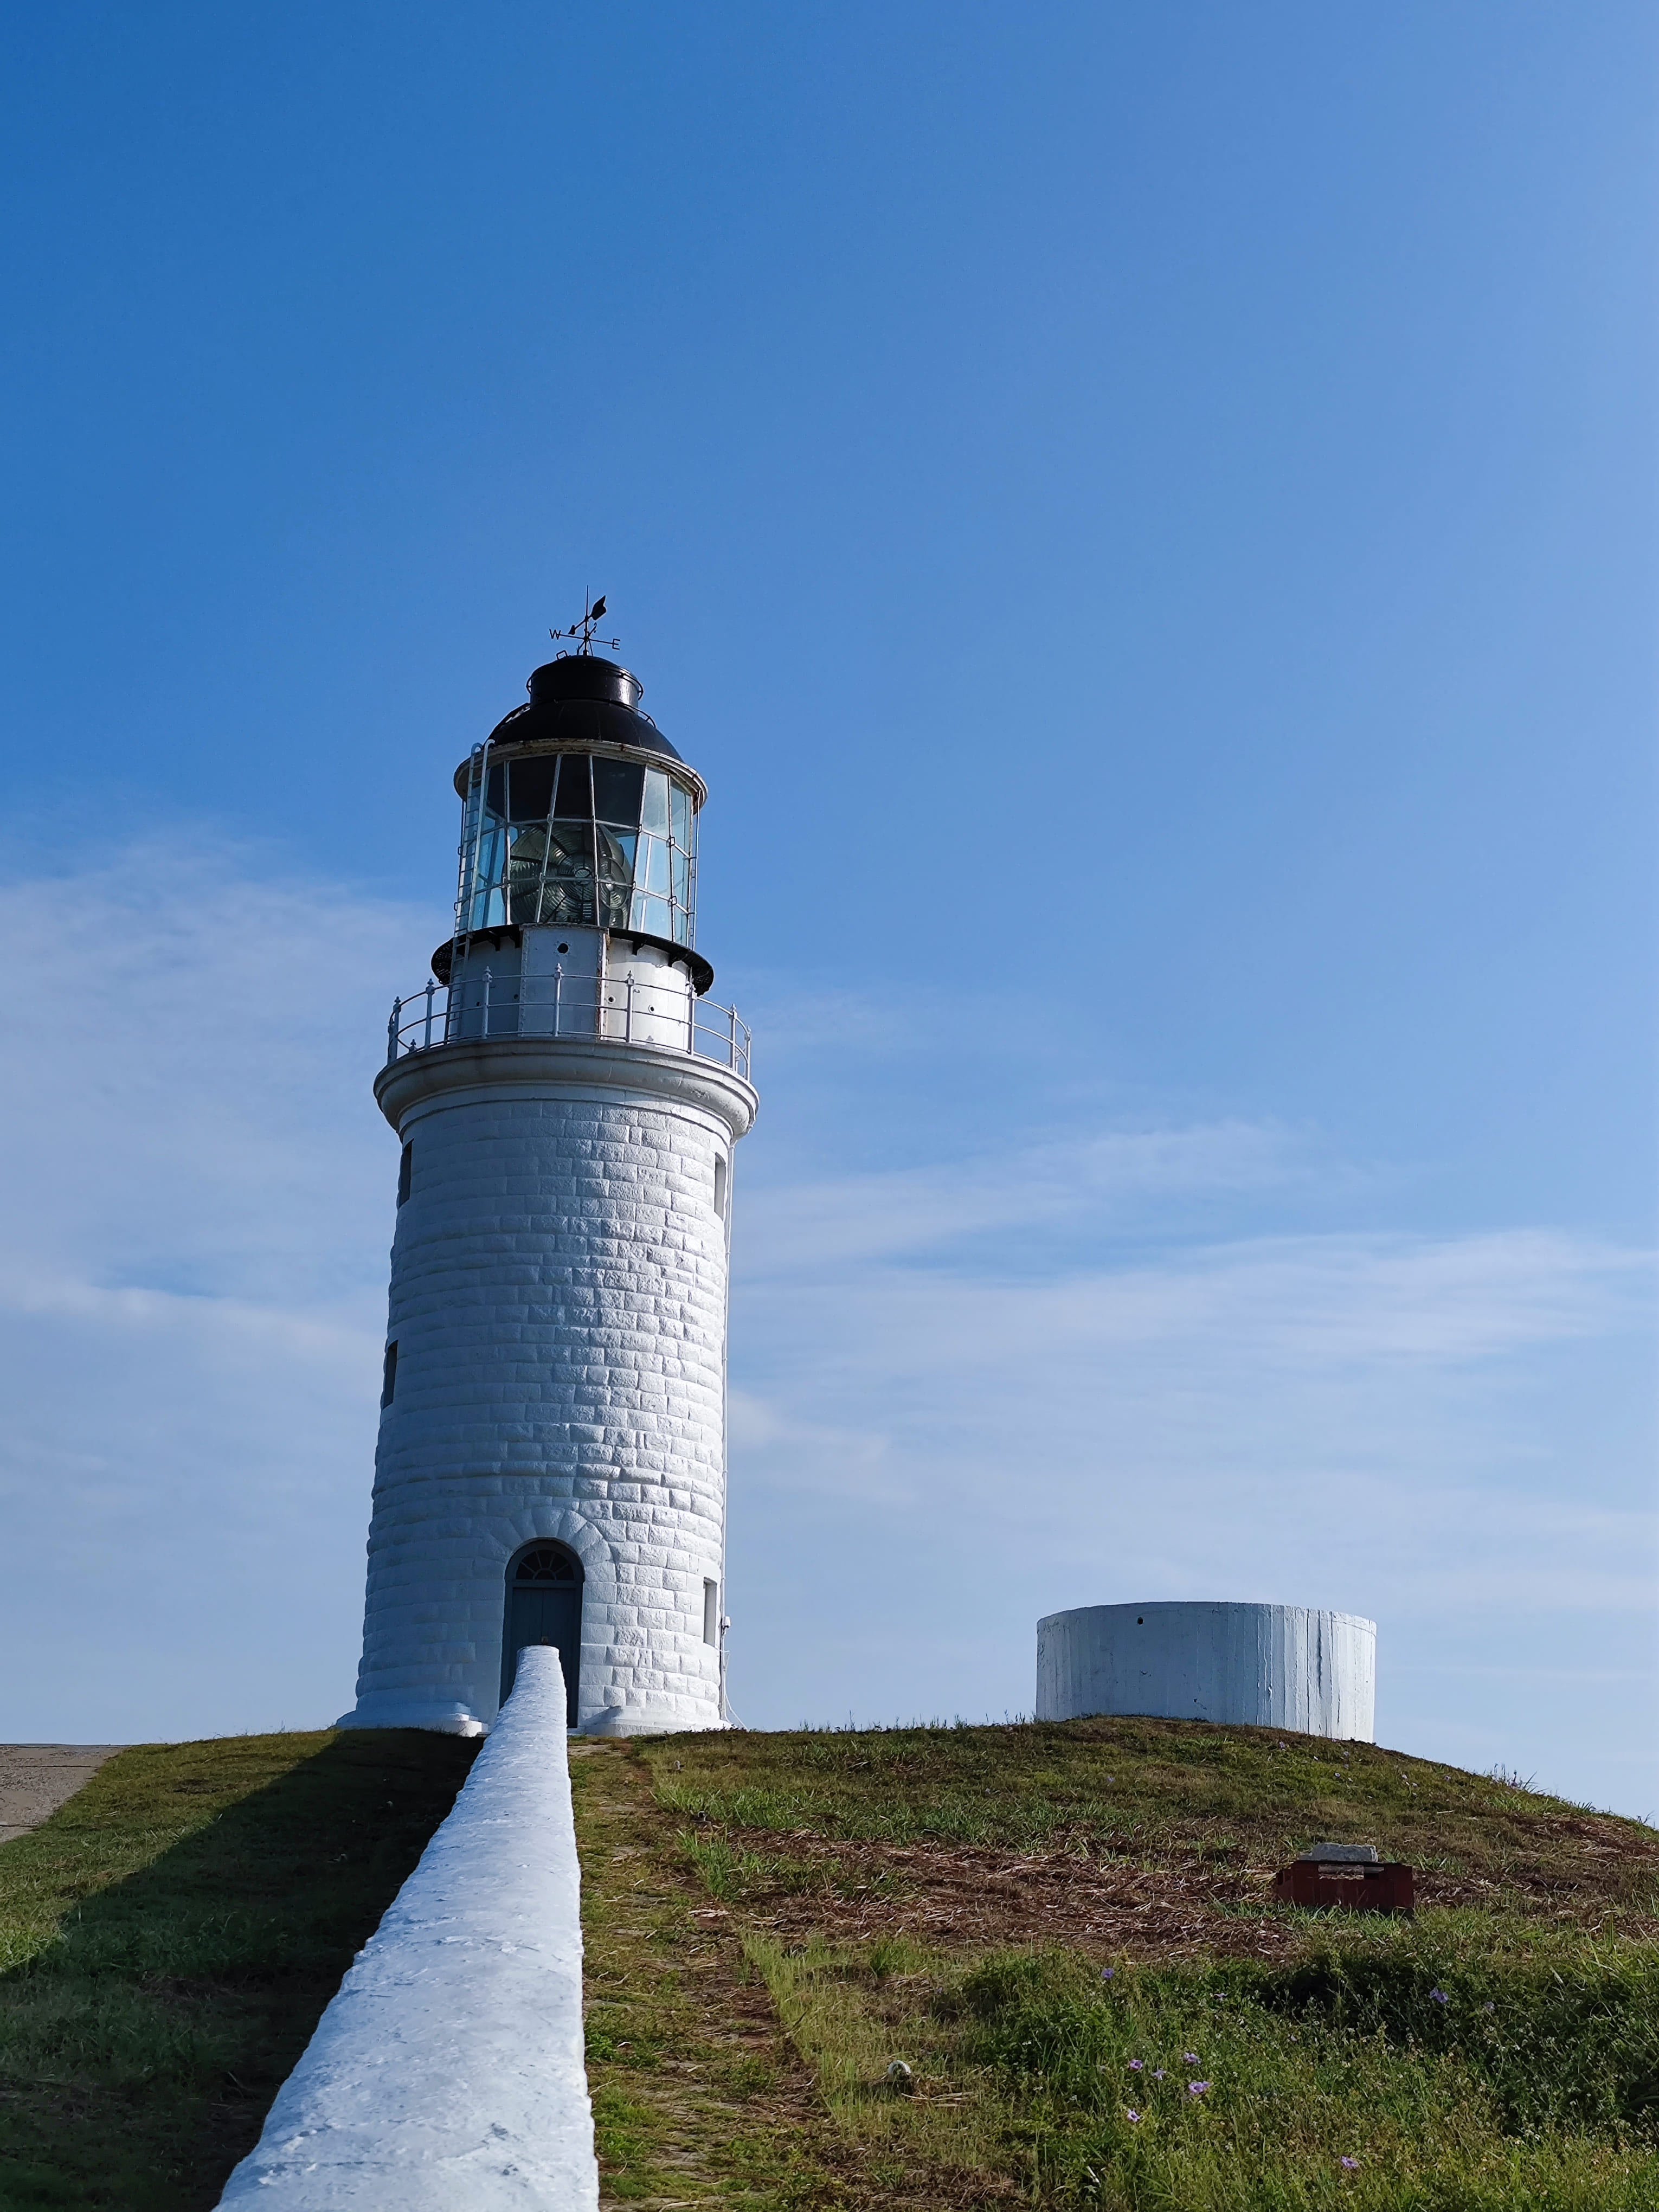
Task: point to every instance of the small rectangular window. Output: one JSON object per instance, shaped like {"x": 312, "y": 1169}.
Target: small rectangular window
{"x": 711, "y": 1613}
{"x": 406, "y": 1171}
{"x": 389, "y": 1382}
{"x": 719, "y": 1188}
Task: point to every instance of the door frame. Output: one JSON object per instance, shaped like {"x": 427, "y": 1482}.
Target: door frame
{"x": 578, "y": 1583}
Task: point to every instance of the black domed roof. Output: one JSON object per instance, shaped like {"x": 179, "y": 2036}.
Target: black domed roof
{"x": 579, "y": 699}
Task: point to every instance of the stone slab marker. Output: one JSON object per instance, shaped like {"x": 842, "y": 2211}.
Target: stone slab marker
{"x": 448, "y": 2075}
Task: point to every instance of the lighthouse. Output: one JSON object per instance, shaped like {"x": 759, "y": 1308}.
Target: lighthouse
{"x": 551, "y": 1467}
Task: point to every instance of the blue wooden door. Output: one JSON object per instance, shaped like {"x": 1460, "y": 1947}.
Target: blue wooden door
{"x": 544, "y": 1606}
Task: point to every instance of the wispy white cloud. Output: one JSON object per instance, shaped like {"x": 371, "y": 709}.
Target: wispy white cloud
{"x": 1014, "y": 1384}
{"x": 918, "y": 1211}
{"x": 193, "y": 1225}
{"x": 969, "y": 1387}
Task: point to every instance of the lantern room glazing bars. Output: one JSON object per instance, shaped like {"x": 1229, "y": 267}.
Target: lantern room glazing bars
{"x": 574, "y": 838}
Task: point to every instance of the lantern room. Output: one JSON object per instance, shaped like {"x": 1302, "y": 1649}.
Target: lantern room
{"x": 577, "y": 813}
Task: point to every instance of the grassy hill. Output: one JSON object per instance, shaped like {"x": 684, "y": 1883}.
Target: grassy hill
{"x": 1064, "y": 1933}
{"x": 168, "y": 1939}
{"x": 1058, "y": 1930}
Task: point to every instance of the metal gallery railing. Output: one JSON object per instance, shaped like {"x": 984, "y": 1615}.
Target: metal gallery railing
{"x": 621, "y": 1010}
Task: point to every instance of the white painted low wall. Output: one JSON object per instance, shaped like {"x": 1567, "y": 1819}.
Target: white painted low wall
{"x": 447, "y": 2074}
{"x": 1269, "y": 1666}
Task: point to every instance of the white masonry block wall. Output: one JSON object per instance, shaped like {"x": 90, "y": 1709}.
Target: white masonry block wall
{"x": 559, "y": 1307}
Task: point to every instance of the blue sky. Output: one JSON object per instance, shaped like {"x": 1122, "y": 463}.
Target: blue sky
{"x": 1145, "y": 519}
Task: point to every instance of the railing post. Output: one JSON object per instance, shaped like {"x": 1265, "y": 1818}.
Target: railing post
{"x": 732, "y": 1048}
{"x": 392, "y": 1032}
{"x": 628, "y": 1014}
{"x": 486, "y": 1004}
{"x": 430, "y": 988}
{"x": 558, "y": 998}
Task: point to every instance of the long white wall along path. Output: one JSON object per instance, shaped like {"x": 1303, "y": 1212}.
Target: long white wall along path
{"x": 447, "y": 2075}
{"x": 1269, "y": 1666}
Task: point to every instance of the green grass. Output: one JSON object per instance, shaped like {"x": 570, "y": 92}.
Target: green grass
{"x": 1148, "y": 1788}
{"x": 1500, "y": 2050}
{"x": 1545, "y": 2101}
{"x": 168, "y": 1940}
{"x": 773, "y": 1921}
{"x": 699, "y": 2097}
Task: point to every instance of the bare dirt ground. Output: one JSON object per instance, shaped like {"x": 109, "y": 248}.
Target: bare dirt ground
{"x": 978, "y": 1899}
{"x": 35, "y": 1779}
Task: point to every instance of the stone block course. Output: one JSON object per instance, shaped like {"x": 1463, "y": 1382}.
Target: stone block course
{"x": 558, "y": 1300}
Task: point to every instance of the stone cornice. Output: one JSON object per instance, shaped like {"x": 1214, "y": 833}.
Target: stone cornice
{"x": 532, "y": 1066}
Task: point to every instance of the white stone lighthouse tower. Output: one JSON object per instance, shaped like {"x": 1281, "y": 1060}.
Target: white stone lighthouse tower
{"x": 551, "y": 1464}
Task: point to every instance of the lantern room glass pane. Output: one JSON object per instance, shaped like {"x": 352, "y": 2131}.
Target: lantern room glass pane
{"x": 568, "y": 894}
{"x": 616, "y": 877}
{"x": 679, "y": 814}
{"x": 653, "y": 915}
{"x": 531, "y": 787}
{"x": 617, "y": 852}
{"x": 656, "y": 802}
{"x": 575, "y": 798}
{"x": 525, "y": 861}
{"x": 617, "y": 792}
{"x": 488, "y": 906}
{"x": 651, "y": 872}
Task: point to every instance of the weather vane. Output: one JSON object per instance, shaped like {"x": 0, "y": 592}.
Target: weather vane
{"x": 584, "y": 629}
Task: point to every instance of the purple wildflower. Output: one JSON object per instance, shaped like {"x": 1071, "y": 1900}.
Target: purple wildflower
{"x": 1135, "y": 2065}
{"x": 1106, "y": 1973}
{"x": 1190, "y": 2058}
{"x": 1197, "y": 2088}
{"x": 1439, "y": 1997}
{"x": 1131, "y": 2113}
{"x": 1157, "y": 2074}
{"x": 1350, "y": 2163}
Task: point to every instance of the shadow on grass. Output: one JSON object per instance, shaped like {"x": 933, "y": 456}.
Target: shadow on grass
{"x": 171, "y": 1936}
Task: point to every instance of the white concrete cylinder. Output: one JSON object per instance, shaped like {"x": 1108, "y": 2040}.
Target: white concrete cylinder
{"x": 558, "y": 1309}
{"x": 1289, "y": 1667}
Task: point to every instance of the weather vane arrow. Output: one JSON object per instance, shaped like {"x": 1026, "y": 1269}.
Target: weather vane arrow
{"x": 584, "y": 629}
